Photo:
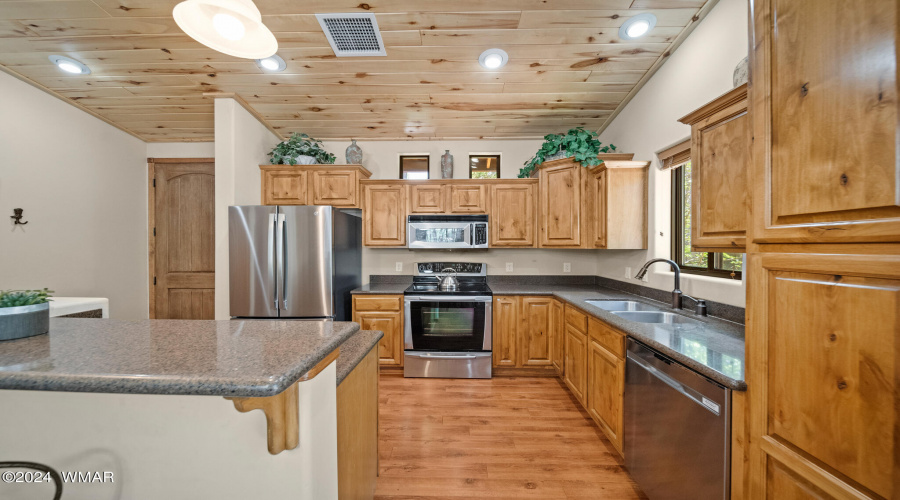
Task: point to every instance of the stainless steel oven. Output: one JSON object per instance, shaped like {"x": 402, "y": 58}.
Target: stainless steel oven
{"x": 447, "y": 231}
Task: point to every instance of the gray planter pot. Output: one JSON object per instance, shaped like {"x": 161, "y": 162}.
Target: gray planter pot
{"x": 24, "y": 321}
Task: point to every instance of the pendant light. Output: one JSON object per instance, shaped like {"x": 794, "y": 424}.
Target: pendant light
{"x": 233, "y": 27}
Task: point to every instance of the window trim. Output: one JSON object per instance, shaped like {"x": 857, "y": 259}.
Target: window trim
{"x": 499, "y": 162}
{"x": 426, "y": 156}
{"x": 677, "y": 230}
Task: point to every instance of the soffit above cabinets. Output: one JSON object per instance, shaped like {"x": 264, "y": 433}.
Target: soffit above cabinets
{"x": 567, "y": 66}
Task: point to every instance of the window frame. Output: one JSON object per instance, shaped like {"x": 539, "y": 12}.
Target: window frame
{"x": 425, "y": 156}
{"x": 484, "y": 155}
{"x": 677, "y": 229}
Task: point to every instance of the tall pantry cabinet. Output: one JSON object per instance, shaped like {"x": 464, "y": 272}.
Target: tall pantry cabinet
{"x": 823, "y": 324}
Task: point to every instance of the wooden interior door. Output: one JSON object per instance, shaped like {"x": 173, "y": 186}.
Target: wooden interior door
{"x": 182, "y": 238}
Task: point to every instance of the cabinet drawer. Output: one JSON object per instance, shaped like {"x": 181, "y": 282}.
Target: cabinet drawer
{"x": 607, "y": 337}
{"x": 379, "y": 303}
{"x": 576, "y": 318}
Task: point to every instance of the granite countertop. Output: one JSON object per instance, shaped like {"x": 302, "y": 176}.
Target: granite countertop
{"x": 354, "y": 350}
{"x": 712, "y": 347}
{"x": 210, "y": 358}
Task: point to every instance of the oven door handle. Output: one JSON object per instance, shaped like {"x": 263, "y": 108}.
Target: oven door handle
{"x": 441, "y": 356}
{"x": 446, "y": 298}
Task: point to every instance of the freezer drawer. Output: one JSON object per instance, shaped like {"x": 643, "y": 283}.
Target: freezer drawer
{"x": 677, "y": 428}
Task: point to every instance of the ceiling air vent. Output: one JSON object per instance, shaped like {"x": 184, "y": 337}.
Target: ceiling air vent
{"x": 352, "y": 35}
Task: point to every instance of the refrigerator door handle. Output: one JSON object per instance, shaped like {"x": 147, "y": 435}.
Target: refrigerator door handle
{"x": 284, "y": 261}
{"x": 273, "y": 259}
{"x": 279, "y": 259}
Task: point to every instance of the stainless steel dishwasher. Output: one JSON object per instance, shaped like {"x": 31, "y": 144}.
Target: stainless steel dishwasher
{"x": 677, "y": 428}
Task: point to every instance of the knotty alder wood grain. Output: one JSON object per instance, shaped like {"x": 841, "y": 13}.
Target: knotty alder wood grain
{"x": 564, "y": 55}
{"x": 497, "y": 438}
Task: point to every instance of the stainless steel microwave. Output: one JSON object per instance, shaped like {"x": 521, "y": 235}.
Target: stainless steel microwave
{"x": 447, "y": 231}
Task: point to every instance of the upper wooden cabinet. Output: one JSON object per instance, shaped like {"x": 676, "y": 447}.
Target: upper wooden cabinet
{"x": 384, "y": 214}
{"x": 720, "y": 160}
{"x": 616, "y": 204}
{"x": 335, "y": 185}
{"x": 561, "y": 198}
{"x": 428, "y": 198}
{"x": 824, "y": 121}
{"x": 512, "y": 214}
{"x": 469, "y": 198}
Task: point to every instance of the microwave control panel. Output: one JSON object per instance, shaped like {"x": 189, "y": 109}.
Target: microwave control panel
{"x": 481, "y": 234}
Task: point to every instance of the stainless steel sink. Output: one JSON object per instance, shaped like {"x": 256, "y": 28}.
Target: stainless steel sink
{"x": 654, "y": 317}
{"x": 621, "y": 305}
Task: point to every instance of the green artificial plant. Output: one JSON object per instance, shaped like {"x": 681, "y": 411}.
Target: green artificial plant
{"x": 577, "y": 142}
{"x": 286, "y": 152}
{"x": 16, "y": 298}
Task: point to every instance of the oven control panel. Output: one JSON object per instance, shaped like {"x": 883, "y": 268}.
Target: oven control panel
{"x": 462, "y": 268}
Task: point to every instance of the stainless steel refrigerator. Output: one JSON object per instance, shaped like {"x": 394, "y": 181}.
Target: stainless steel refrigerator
{"x": 293, "y": 261}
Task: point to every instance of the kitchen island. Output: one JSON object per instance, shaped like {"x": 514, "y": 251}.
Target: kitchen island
{"x": 158, "y": 404}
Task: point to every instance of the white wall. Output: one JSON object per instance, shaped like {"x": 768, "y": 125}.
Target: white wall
{"x": 698, "y": 72}
{"x": 181, "y": 149}
{"x": 83, "y": 185}
{"x": 240, "y": 148}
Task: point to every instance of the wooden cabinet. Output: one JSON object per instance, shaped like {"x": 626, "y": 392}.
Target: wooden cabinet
{"x": 558, "y": 330}
{"x": 535, "y": 331}
{"x": 282, "y": 186}
{"x": 335, "y": 185}
{"x": 384, "y": 313}
{"x": 576, "y": 357}
{"x": 384, "y": 214}
{"x": 606, "y": 379}
{"x": 616, "y": 204}
{"x": 720, "y": 160}
{"x": 825, "y": 350}
{"x": 428, "y": 198}
{"x": 512, "y": 214}
{"x": 561, "y": 199}
{"x": 505, "y": 330}
{"x": 468, "y": 198}
{"x": 825, "y": 121}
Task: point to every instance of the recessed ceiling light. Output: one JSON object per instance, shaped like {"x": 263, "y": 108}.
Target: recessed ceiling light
{"x": 637, "y": 26}
{"x": 232, "y": 27}
{"x": 493, "y": 58}
{"x": 273, "y": 63}
{"x": 70, "y": 65}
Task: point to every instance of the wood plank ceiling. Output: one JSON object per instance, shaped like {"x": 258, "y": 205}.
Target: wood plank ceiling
{"x": 567, "y": 66}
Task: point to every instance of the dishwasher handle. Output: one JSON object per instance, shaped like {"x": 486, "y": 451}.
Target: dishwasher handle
{"x": 691, "y": 394}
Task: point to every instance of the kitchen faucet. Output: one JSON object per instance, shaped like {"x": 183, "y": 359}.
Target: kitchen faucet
{"x": 677, "y": 295}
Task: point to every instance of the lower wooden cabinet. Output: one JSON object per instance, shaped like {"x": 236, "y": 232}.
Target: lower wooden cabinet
{"x": 606, "y": 383}
{"x": 575, "y": 374}
{"x": 357, "y": 430}
{"x": 505, "y": 330}
{"x": 535, "y": 331}
{"x": 557, "y": 347}
{"x": 525, "y": 331}
{"x": 384, "y": 313}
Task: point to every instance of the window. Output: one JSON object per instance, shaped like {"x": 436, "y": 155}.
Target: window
{"x": 727, "y": 265}
{"x": 414, "y": 167}
{"x": 484, "y": 166}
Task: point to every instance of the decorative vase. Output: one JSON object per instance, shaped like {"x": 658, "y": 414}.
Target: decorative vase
{"x": 741, "y": 72}
{"x": 24, "y": 321}
{"x": 562, "y": 153}
{"x": 446, "y": 165}
{"x": 353, "y": 154}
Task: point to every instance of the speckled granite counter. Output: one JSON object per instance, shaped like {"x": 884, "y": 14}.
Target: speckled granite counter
{"x": 208, "y": 358}
{"x": 711, "y": 346}
{"x": 354, "y": 350}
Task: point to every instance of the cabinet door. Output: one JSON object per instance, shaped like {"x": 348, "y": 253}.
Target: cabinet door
{"x": 427, "y": 199}
{"x": 535, "y": 323}
{"x": 333, "y": 187}
{"x": 512, "y": 215}
{"x": 558, "y": 340}
{"x": 606, "y": 390}
{"x": 468, "y": 199}
{"x": 576, "y": 363}
{"x": 505, "y": 326}
{"x": 283, "y": 187}
{"x": 824, "y": 349}
{"x": 384, "y": 215}
{"x": 825, "y": 121}
{"x": 597, "y": 186}
{"x": 390, "y": 347}
{"x": 561, "y": 200}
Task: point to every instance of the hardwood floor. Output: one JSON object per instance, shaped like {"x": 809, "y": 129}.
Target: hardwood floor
{"x": 509, "y": 438}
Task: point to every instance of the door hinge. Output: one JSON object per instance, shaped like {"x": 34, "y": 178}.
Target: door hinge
{"x": 154, "y": 281}
{"x": 154, "y": 231}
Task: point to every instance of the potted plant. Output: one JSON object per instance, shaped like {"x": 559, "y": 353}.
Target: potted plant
{"x": 577, "y": 142}
{"x": 24, "y": 313}
{"x": 302, "y": 149}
